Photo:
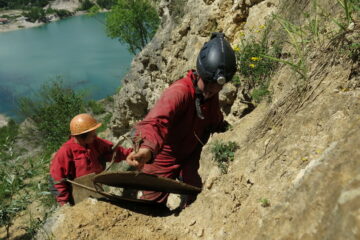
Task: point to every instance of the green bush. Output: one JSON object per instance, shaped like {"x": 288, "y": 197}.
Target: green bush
{"x": 35, "y": 14}
{"x": 133, "y": 23}
{"x": 85, "y": 5}
{"x": 107, "y": 4}
{"x": 62, "y": 13}
{"x": 259, "y": 93}
{"x": 105, "y": 122}
{"x": 254, "y": 70}
{"x": 8, "y": 134}
{"x": 223, "y": 153}
{"x": 96, "y": 107}
{"x": 51, "y": 111}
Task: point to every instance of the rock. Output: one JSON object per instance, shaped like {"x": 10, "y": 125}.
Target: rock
{"x": 4, "y": 120}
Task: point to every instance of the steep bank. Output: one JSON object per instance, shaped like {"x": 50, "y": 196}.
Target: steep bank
{"x": 298, "y": 151}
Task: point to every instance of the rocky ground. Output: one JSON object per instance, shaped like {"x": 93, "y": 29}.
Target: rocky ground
{"x": 3, "y": 120}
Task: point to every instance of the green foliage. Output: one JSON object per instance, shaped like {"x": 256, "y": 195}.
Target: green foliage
{"x": 351, "y": 7}
{"x": 223, "y": 153}
{"x": 20, "y": 4}
{"x": 297, "y": 39}
{"x": 105, "y": 122}
{"x": 12, "y": 175}
{"x": 109, "y": 99}
{"x": 35, "y": 14}
{"x": 85, "y": 5}
{"x": 264, "y": 202}
{"x": 258, "y": 93}
{"x": 8, "y": 134}
{"x": 254, "y": 69}
{"x": 133, "y": 23}
{"x": 63, "y": 13}
{"x": 96, "y": 107}
{"x": 51, "y": 111}
{"x": 107, "y": 4}
{"x": 16, "y": 182}
{"x": 236, "y": 80}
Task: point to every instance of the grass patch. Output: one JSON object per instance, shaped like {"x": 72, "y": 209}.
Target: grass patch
{"x": 255, "y": 70}
{"x": 223, "y": 154}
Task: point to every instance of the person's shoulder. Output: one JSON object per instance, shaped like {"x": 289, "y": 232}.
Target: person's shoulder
{"x": 184, "y": 85}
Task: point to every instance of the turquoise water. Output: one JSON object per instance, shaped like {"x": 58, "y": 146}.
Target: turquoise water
{"x": 76, "y": 49}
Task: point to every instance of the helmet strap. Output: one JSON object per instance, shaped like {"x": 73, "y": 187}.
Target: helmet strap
{"x": 199, "y": 98}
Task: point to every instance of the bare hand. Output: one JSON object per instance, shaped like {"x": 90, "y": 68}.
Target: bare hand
{"x": 138, "y": 159}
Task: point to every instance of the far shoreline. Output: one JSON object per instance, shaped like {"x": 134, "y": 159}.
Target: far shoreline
{"x": 19, "y": 24}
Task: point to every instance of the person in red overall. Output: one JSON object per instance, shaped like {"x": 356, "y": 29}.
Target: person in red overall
{"x": 82, "y": 154}
{"x": 180, "y": 123}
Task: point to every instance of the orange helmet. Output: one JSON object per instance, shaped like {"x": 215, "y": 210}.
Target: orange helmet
{"x": 83, "y": 123}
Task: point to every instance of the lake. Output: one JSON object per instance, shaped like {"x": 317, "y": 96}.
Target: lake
{"x": 76, "y": 49}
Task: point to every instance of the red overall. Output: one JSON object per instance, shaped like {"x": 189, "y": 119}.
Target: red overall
{"x": 175, "y": 133}
{"x": 73, "y": 160}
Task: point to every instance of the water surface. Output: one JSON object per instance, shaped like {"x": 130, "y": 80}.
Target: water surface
{"x": 76, "y": 49}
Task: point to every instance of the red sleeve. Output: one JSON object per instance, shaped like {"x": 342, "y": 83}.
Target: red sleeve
{"x": 154, "y": 128}
{"x": 60, "y": 168}
{"x": 107, "y": 153}
{"x": 122, "y": 153}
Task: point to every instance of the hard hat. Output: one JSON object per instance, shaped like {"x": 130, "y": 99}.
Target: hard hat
{"x": 216, "y": 61}
{"x": 83, "y": 123}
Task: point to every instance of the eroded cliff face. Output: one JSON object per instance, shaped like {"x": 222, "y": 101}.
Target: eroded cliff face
{"x": 173, "y": 51}
{"x": 299, "y": 151}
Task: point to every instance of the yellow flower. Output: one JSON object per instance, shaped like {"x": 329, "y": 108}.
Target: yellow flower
{"x": 236, "y": 49}
{"x": 255, "y": 58}
{"x": 252, "y": 65}
{"x": 242, "y": 34}
{"x": 262, "y": 26}
{"x": 305, "y": 159}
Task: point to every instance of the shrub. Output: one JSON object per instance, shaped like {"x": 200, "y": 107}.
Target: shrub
{"x": 51, "y": 111}
{"x": 105, "y": 122}
{"x": 35, "y": 14}
{"x": 254, "y": 70}
{"x": 8, "y": 134}
{"x": 223, "y": 153}
{"x": 96, "y": 107}
{"x": 62, "y": 13}
{"x": 85, "y": 5}
{"x": 107, "y": 4}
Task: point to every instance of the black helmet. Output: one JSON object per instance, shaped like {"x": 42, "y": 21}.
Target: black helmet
{"x": 216, "y": 61}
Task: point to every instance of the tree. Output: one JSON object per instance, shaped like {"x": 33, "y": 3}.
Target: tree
{"x": 133, "y": 22}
